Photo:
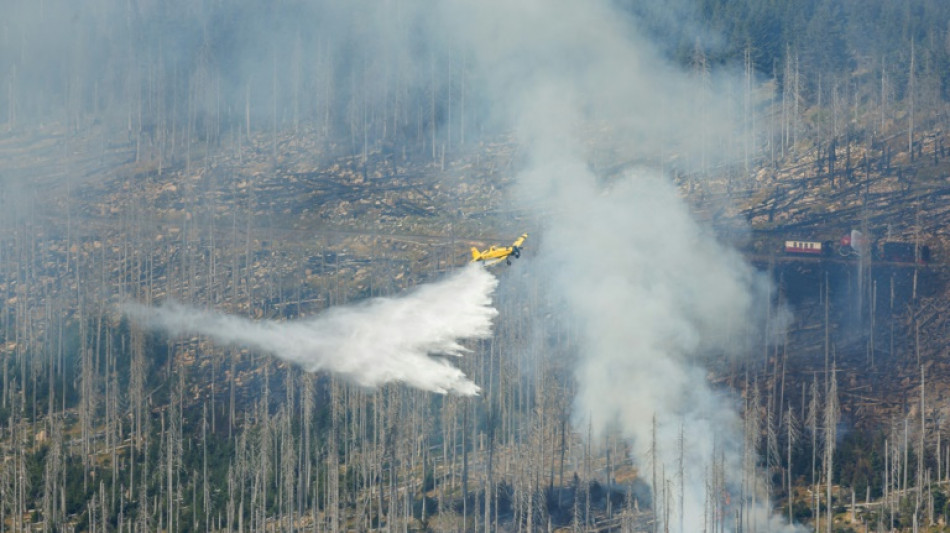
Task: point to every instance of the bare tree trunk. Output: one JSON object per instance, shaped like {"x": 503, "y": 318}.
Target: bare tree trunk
{"x": 831, "y": 422}
{"x": 791, "y": 438}
{"x": 911, "y": 90}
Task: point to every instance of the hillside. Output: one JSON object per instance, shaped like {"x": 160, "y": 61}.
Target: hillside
{"x": 235, "y": 290}
{"x": 248, "y": 235}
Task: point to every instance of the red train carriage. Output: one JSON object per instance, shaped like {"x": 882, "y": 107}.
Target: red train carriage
{"x": 809, "y": 248}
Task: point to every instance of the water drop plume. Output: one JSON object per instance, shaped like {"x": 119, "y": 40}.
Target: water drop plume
{"x": 395, "y": 339}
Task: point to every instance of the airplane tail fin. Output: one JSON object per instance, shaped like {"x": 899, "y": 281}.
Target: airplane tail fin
{"x": 475, "y": 254}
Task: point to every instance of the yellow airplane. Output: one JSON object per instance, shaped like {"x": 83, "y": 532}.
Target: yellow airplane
{"x": 495, "y": 254}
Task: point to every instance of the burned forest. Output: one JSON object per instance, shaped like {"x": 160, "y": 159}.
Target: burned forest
{"x": 238, "y": 293}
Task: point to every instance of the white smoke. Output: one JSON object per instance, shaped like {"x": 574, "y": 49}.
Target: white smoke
{"x": 654, "y": 296}
{"x": 652, "y": 291}
{"x": 379, "y": 341}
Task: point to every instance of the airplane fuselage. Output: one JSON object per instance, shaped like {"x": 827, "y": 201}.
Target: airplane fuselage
{"x": 495, "y": 254}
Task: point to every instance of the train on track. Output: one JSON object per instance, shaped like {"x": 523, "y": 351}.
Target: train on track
{"x": 856, "y": 244}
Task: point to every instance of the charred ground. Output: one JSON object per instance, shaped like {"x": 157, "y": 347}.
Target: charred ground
{"x": 279, "y": 238}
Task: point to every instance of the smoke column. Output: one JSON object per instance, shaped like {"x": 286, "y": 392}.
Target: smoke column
{"x": 652, "y": 292}
{"x": 379, "y": 341}
{"x": 656, "y": 296}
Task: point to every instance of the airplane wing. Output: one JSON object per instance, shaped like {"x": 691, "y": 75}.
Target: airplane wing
{"x": 519, "y": 241}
